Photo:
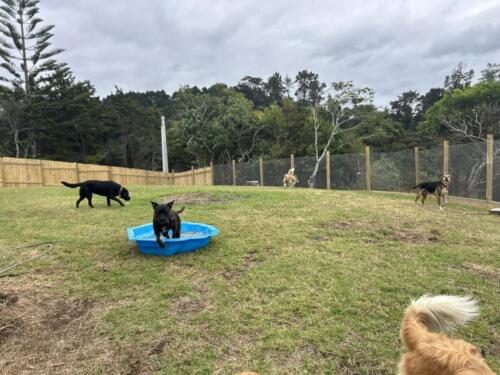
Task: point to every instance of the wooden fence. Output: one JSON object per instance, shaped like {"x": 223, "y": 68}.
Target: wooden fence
{"x": 33, "y": 172}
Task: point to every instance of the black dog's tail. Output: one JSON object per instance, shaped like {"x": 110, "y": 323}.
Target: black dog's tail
{"x": 181, "y": 210}
{"x": 414, "y": 187}
{"x": 70, "y": 185}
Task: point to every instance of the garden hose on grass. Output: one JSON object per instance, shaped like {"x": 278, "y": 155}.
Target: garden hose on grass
{"x": 47, "y": 245}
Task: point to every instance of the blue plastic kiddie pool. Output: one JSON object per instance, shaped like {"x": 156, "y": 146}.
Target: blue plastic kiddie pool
{"x": 193, "y": 236}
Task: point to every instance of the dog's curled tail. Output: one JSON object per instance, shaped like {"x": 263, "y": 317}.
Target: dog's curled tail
{"x": 438, "y": 313}
{"x": 70, "y": 185}
{"x": 181, "y": 210}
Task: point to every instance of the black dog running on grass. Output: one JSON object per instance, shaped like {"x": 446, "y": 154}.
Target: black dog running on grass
{"x": 164, "y": 219}
{"x": 109, "y": 189}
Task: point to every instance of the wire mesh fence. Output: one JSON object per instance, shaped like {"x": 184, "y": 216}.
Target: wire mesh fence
{"x": 390, "y": 171}
{"x": 304, "y": 168}
{"x": 431, "y": 164}
{"x": 496, "y": 171}
{"x": 274, "y": 171}
{"x": 348, "y": 172}
{"x": 222, "y": 174}
{"x": 468, "y": 170}
{"x": 393, "y": 171}
{"x": 247, "y": 173}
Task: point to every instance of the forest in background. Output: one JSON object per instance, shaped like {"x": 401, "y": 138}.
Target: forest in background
{"x": 48, "y": 113}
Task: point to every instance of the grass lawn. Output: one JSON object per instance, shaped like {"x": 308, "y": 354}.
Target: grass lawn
{"x": 298, "y": 282}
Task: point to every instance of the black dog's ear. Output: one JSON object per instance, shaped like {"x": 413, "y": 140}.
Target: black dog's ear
{"x": 170, "y": 204}
{"x": 154, "y": 204}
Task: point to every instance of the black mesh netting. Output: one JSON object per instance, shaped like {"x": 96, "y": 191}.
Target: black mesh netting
{"x": 348, "y": 171}
{"x": 274, "y": 170}
{"x": 390, "y": 171}
{"x": 467, "y": 167}
{"x": 223, "y": 174}
{"x": 496, "y": 171}
{"x": 304, "y": 168}
{"x": 431, "y": 164}
{"x": 247, "y": 173}
{"x": 393, "y": 171}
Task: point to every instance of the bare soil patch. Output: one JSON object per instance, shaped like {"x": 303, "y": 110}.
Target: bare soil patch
{"x": 45, "y": 333}
{"x": 379, "y": 233}
{"x": 482, "y": 270}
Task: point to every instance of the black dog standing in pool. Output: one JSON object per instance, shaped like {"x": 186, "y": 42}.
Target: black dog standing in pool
{"x": 109, "y": 189}
{"x": 165, "y": 219}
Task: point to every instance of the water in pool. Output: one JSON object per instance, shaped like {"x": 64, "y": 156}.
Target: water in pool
{"x": 189, "y": 234}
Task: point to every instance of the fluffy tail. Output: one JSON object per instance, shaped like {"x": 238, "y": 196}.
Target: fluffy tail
{"x": 439, "y": 313}
{"x": 70, "y": 185}
{"x": 181, "y": 210}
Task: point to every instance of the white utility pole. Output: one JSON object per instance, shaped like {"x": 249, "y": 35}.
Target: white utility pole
{"x": 164, "y": 152}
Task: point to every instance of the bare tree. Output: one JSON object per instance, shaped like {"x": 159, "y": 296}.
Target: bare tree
{"x": 337, "y": 116}
{"x": 474, "y": 126}
{"x": 11, "y": 112}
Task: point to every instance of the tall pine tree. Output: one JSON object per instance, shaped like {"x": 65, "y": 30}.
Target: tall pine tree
{"x": 27, "y": 60}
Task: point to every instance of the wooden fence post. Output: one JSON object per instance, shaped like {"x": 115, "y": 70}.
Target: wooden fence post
{"x": 328, "y": 185}
{"x": 234, "y": 173}
{"x": 212, "y": 173}
{"x": 489, "y": 168}
{"x": 417, "y": 166}
{"x": 146, "y": 177}
{"x": 368, "y": 169}
{"x": 292, "y": 161}
{"x": 2, "y": 172}
{"x": 261, "y": 171}
{"x": 446, "y": 157}
{"x": 110, "y": 174}
{"x": 192, "y": 176}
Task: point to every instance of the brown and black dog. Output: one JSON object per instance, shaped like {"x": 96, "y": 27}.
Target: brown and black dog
{"x": 430, "y": 353}
{"x": 437, "y": 188}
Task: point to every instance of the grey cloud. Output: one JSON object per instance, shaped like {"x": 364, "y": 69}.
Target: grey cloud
{"x": 391, "y": 46}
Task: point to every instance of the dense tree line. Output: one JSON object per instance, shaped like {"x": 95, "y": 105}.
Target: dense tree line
{"x": 45, "y": 112}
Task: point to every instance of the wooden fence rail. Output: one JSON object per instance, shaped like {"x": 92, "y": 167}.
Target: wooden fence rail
{"x": 32, "y": 172}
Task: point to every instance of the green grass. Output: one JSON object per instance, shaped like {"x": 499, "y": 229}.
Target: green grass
{"x": 299, "y": 281}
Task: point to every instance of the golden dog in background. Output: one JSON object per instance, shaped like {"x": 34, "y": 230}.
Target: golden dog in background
{"x": 430, "y": 353}
{"x": 289, "y": 179}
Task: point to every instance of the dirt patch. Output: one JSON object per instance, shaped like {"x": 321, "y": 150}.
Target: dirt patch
{"x": 481, "y": 270}
{"x": 412, "y": 236}
{"x": 45, "y": 333}
{"x": 249, "y": 261}
{"x": 379, "y": 233}
{"x": 199, "y": 198}
{"x": 185, "y": 305}
{"x": 159, "y": 346}
{"x": 382, "y": 233}
{"x": 339, "y": 225}
{"x": 8, "y": 299}
{"x": 63, "y": 312}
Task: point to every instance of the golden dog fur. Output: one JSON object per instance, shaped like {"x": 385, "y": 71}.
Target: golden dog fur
{"x": 430, "y": 353}
{"x": 289, "y": 179}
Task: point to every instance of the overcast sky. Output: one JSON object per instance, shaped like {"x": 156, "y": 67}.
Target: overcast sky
{"x": 390, "y": 46}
